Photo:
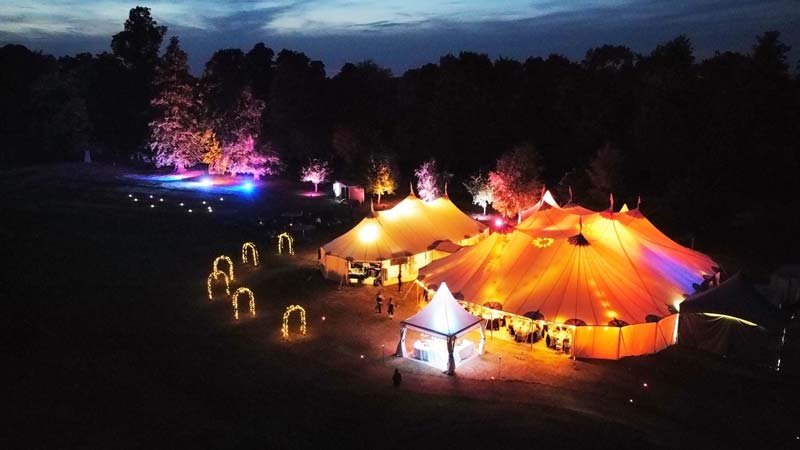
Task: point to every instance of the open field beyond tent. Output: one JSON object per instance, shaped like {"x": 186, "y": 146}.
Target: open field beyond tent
{"x": 120, "y": 347}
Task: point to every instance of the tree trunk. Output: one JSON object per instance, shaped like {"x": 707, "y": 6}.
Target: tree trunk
{"x": 379, "y": 198}
{"x": 315, "y": 187}
{"x": 179, "y": 168}
{"x": 484, "y": 210}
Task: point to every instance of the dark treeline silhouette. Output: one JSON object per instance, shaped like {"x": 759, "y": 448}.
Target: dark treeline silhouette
{"x": 711, "y": 146}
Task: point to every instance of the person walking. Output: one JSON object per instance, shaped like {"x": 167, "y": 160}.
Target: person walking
{"x": 378, "y": 302}
{"x": 397, "y": 378}
{"x": 390, "y": 308}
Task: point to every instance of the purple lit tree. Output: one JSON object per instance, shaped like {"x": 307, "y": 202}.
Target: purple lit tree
{"x": 238, "y": 130}
{"x": 316, "y": 172}
{"x": 428, "y": 178}
{"x": 482, "y": 193}
{"x": 175, "y": 134}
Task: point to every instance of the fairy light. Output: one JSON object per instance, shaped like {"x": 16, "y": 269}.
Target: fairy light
{"x": 289, "y": 239}
{"x": 214, "y": 276}
{"x": 130, "y": 195}
{"x": 235, "y": 301}
{"x": 204, "y": 202}
{"x": 190, "y": 210}
{"x": 152, "y": 205}
{"x": 209, "y": 209}
{"x": 151, "y": 196}
{"x": 136, "y": 199}
{"x": 289, "y": 311}
{"x": 221, "y": 199}
{"x": 181, "y": 203}
{"x": 252, "y": 247}
{"x": 161, "y": 199}
{"x": 222, "y": 258}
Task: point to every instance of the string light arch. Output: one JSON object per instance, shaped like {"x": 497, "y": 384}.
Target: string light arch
{"x": 235, "y": 301}
{"x": 214, "y": 276}
{"x": 289, "y": 311}
{"x": 227, "y": 260}
{"x": 289, "y": 239}
{"x": 253, "y": 252}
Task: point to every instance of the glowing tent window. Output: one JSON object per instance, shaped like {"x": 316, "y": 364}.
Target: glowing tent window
{"x": 235, "y": 301}
{"x": 289, "y": 311}
{"x": 289, "y": 240}
{"x": 542, "y": 242}
{"x": 254, "y": 253}
{"x": 215, "y": 268}
{"x": 368, "y": 234}
{"x": 214, "y": 276}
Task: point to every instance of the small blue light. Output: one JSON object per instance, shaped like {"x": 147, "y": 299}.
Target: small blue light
{"x": 247, "y": 186}
{"x": 206, "y": 182}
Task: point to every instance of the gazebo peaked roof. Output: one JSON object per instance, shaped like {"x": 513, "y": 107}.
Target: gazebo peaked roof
{"x": 443, "y": 316}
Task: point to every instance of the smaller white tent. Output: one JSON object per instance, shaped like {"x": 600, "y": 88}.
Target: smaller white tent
{"x": 446, "y": 318}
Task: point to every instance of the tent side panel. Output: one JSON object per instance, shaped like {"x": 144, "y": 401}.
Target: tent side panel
{"x": 639, "y": 339}
{"x": 666, "y": 332}
{"x": 335, "y": 267}
{"x": 597, "y": 342}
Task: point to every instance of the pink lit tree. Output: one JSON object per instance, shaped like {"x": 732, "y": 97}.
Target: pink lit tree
{"x": 316, "y": 172}
{"x": 515, "y": 181}
{"x": 239, "y": 152}
{"x": 428, "y": 178}
{"x": 481, "y": 190}
{"x": 175, "y": 134}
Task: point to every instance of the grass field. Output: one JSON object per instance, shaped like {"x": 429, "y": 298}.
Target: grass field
{"x": 115, "y": 345}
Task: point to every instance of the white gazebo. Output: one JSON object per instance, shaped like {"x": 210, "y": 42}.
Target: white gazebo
{"x": 447, "y": 320}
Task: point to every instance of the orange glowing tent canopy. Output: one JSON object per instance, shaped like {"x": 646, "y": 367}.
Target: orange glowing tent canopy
{"x": 412, "y": 229}
{"x": 571, "y": 265}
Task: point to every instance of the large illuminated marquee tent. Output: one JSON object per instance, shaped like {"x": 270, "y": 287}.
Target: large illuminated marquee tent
{"x": 613, "y": 276}
{"x": 402, "y": 239}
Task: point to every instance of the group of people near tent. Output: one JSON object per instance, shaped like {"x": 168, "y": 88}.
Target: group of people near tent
{"x": 600, "y": 284}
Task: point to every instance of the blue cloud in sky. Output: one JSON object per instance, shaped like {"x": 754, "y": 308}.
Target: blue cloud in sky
{"x": 407, "y": 33}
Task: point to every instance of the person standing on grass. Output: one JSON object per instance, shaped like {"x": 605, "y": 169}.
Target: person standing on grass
{"x": 390, "y": 308}
{"x": 397, "y": 378}
{"x": 378, "y": 302}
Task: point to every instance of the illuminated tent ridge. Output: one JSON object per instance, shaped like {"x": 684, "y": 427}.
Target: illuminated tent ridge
{"x": 622, "y": 269}
{"x": 446, "y": 318}
{"x": 412, "y": 230}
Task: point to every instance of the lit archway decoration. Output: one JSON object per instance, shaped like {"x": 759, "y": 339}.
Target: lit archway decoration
{"x": 235, "y": 301}
{"x": 289, "y": 311}
{"x": 214, "y": 276}
{"x": 227, "y": 260}
{"x": 542, "y": 242}
{"x": 253, "y": 252}
{"x": 289, "y": 239}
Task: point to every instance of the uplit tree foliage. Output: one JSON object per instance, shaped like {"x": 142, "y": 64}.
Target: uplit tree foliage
{"x": 428, "y": 177}
{"x": 515, "y": 181}
{"x": 175, "y": 133}
{"x": 316, "y": 172}
{"x": 481, "y": 190}
{"x": 243, "y": 158}
{"x": 237, "y": 128}
{"x": 379, "y": 176}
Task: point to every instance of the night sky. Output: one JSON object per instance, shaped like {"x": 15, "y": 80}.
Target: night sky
{"x": 402, "y": 34}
